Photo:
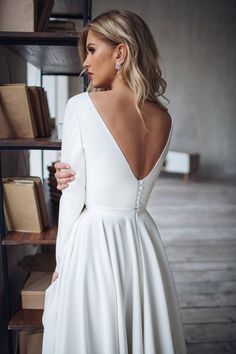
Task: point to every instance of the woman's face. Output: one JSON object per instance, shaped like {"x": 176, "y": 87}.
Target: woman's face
{"x": 100, "y": 61}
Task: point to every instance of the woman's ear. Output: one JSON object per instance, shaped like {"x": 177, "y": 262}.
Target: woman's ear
{"x": 121, "y": 52}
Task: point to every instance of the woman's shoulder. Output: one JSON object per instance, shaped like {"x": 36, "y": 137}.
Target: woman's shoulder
{"x": 77, "y": 99}
{"x": 78, "y": 107}
{"x": 81, "y": 100}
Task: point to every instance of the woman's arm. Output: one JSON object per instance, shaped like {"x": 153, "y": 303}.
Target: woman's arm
{"x": 73, "y": 197}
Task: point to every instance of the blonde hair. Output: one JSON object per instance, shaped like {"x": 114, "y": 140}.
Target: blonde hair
{"x": 140, "y": 70}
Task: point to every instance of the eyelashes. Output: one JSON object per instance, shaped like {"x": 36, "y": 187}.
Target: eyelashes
{"x": 90, "y": 50}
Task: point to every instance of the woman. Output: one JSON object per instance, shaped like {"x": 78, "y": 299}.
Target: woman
{"x": 112, "y": 291}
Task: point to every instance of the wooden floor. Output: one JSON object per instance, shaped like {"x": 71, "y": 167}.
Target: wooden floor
{"x": 197, "y": 223}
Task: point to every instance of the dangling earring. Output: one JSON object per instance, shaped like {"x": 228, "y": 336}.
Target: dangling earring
{"x": 118, "y": 66}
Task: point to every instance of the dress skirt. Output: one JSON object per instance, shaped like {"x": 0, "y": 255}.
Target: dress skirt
{"x": 115, "y": 293}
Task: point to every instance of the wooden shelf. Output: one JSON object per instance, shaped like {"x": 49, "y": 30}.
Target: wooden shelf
{"x": 47, "y": 237}
{"x": 58, "y": 38}
{"x": 50, "y": 143}
{"x": 25, "y": 319}
{"x": 52, "y": 52}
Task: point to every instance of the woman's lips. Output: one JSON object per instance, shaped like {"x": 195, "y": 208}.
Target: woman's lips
{"x": 90, "y": 75}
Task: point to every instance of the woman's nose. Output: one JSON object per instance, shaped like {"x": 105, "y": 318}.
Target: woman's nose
{"x": 85, "y": 64}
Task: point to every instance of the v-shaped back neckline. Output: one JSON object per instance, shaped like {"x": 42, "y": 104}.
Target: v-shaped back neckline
{"x": 119, "y": 148}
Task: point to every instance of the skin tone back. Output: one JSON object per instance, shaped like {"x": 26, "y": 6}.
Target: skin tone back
{"x": 140, "y": 148}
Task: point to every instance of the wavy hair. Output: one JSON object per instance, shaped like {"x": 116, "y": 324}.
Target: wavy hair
{"x": 140, "y": 70}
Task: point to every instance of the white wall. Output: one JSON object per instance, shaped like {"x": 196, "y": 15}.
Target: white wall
{"x": 197, "y": 43}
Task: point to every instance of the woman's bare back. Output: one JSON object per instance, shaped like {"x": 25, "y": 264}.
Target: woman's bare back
{"x": 140, "y": 148}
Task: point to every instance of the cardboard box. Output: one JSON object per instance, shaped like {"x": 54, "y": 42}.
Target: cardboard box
{"x": 24, "y": 204}
{"x": 18, "y": 15}
{"x": 37, "y": 110}
{"x": 45, "y": 111}
{"x": 31, "y": 342}
{"x": 44, "y": 12}
{"x": 33, "y": 292}
{"x": 16, "y": 114}
{"x": 41, "y": 200}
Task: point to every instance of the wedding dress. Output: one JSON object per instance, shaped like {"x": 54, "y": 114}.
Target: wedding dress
{"x": 115, "y": 292}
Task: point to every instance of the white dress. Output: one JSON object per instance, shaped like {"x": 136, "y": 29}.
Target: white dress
{"x": 115, "y": 292}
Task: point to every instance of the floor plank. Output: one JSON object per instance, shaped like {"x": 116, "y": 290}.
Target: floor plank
{"x": 204, "y": 265}
{"x": 213, "y": 348}
{"x": 210, "y": 332}
{"x": 207, "y": 300}
{"x": 201, "y": 252}
{"x": 207, "y": 275}
{"x": 209, "y": 315}
{"x": 188, "y": 286}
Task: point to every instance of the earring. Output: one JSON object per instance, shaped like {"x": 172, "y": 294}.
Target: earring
{"x": 118, "y": 66}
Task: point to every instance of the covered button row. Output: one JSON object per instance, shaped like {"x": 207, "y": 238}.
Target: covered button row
{"x": 139, "y": 194}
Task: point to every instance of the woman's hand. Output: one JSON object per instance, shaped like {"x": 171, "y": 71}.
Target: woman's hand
{"x": 64, "y": 175}
{"x": 54, "y": 277}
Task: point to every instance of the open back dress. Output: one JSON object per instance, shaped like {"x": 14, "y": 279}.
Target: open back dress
{"x": 115, "y": 292}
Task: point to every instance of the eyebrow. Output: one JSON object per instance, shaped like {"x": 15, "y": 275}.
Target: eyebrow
{"x": 90, "y": 44}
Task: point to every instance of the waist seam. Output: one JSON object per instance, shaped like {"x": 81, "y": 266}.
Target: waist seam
{"x": 112, "y": 209}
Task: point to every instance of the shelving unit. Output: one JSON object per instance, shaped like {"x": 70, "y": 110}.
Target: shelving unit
{"x": 54, "y": 53}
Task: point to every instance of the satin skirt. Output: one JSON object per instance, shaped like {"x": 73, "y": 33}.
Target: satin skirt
{"x": 115, "y": 293}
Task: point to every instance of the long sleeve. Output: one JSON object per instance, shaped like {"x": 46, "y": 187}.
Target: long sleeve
{"x": 73, "y": 197}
